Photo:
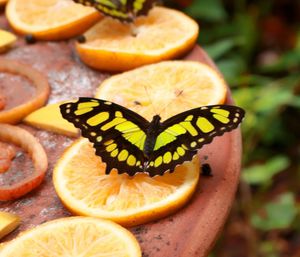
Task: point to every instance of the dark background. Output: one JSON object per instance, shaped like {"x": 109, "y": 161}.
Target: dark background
{"x": 256, "y": 45}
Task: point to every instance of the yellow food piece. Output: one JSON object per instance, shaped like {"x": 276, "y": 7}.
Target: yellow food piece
{"x": 6, "y": 40}
{"x": 166, "y": 88}
{"x": 76, "y": 236}
{"x": 161, "y": 35}
{"x": 49, "y": 118}
{"x": 80, "y": 182}
{"x": 8, "y": 223}
{"x": 50, "y": 19}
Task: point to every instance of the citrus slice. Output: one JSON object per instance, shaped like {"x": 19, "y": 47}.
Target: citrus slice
{"x": 80, "y": 181}
{"x": 6, "y": 40}
{"x": 49, "y": 118}
{"x": 162, "y": 34}
{"x": 76, "y": 236}
{"x": 165, "y": 88}
{"x": 50, "y": 19}
{"x": 8, "y": 222}
{"x": 40, "y": 82}
{"x": 3, "y": 2}
{"x": 23, "y": 185}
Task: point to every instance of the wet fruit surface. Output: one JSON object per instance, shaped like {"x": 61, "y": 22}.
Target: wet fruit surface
{"x": 187, "y": 232}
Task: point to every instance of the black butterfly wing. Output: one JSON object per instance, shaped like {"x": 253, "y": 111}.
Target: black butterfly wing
{"x": 141, "y": 7}
{"x": 125, "y": 11}
{"x": 114, "y": 8}
{"x": 183, "y": 134}
{"x": 117, "y": 133}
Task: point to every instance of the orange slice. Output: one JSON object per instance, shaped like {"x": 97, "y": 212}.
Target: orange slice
{"x": 40, "y": 82}
{"x": 114, "y": 46}
{"x": 3, "y": 2}
{"x": 80, "y": 181}
{"x": 49, "y": 118}
{"x": 166, "y": 88}
{"x": 76, "y": 236}
{"x": 50, "y": 19}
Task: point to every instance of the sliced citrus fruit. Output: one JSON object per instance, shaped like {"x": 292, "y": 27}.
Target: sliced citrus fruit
{"x": 165, "y": 88}
{"x": 40, "y": 82}
{"x": 6, "y": 40}
{"x": 3, "y": 2}
{"x": 50, "y": 19}
{"x": 162, "y": 34}
{"x": 18, "y": 186}
{"x": 49, "y": 118}
{"x": 80, "y": 181}
{"x": 76, "y": 236}
{"x": 8, "y": 222}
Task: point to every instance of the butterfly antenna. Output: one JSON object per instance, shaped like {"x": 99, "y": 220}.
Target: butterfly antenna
{"x": 178, "y": 92}
{"x": 149, "y": 97}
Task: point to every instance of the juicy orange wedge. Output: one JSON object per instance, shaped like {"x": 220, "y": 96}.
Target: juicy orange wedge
{"x": 162, "y": 34}
{"x": 50, "y": 19}
{"x": 80, "y": 181}
{"x": 3, "y": 2}
{"x": 76, "y": 236}
{"x": 166, "y": 88}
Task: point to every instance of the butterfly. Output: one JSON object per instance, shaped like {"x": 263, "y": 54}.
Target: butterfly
{"x": 123, "y": 10}
{"x": 128, "y": 142}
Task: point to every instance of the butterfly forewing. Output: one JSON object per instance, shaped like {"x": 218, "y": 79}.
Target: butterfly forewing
{"x": 118, "y": 134}
{"x": 184, "y": 133}
{"x": 123, "y": 10}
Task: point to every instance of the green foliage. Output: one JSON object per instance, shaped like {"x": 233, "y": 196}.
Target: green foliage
{"x": 209, "y": 10}
{"x": 263, "y": 173}
{"x": 269, "y": 249}
{"x": 276, "y": 215}
{"x": 262, "y": 66}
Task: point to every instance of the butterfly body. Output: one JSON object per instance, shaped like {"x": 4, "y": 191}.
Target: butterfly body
{"x": 131, "y": 144}
{"x": 153, "y": 131}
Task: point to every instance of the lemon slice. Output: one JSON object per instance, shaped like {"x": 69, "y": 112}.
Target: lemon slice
{"x": 49, "y": 118}
{"x": 8, "y": 222}
{"x": 6, "y": 40}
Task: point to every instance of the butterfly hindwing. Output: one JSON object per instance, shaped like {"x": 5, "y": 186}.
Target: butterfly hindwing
{"x": 123, "y": 10}
{"x": 118, "y": 134}
{"x": 186, "y": 132}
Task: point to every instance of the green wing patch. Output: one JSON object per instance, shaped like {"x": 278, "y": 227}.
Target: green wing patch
{"x": 128, "y": 142}
{"x": 117, "y": 133}
{"x": 183, "y": 134}
{"x": 122, "y": 10}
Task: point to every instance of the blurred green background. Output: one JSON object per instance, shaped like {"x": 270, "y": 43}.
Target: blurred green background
{"x": 256, "y": 45}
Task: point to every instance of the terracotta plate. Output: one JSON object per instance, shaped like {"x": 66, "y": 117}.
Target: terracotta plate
{"x": 191, "y": 231}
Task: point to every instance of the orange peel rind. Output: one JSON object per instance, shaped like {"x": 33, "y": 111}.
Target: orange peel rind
{"x": 22, "y": 138}
{"x": 3, "y": 2}
{"x": 16, "y": 114}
